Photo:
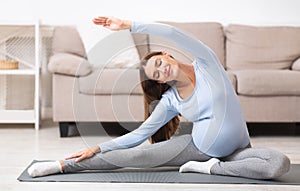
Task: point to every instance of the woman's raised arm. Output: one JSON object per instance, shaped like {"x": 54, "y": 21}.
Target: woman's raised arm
{"x": 187, "y": 42}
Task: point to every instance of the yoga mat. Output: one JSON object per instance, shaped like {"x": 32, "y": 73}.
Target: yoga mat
{"x": 160, "y": 175}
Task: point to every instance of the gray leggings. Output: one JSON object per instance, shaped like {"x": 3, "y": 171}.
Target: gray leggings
{"x": 258, "y": 163}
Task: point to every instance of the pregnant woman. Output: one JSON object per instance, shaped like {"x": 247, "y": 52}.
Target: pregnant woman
{"x": 202, "y": 93}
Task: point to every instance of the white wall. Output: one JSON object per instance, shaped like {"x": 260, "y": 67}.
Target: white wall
{"x": 80, "y": 13}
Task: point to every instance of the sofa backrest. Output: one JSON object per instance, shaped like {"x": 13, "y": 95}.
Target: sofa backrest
{"x": 209, "y": 33}
{"x": 257, "y": 47}
{"x": 141, "y": 42}
{"x": 66, "y": 39}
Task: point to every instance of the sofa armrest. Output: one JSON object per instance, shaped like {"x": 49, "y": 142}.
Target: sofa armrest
{"x": 296, "y": 65}
{"x": 69, "y": 64}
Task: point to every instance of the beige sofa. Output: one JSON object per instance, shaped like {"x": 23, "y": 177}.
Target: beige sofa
{"x": 262, "y": 63}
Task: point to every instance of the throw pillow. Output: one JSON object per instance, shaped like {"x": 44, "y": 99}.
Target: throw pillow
{"x": 117, "y": 50}
{"x": 127, "y": 59}
{"x": 296, "y": 65}
{"x": 69, "y": 64}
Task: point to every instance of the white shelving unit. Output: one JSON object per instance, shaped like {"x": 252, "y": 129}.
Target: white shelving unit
{"x": 30, "y": 66}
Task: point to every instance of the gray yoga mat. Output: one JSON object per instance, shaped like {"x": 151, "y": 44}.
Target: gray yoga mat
{"x": 160, "y": 175}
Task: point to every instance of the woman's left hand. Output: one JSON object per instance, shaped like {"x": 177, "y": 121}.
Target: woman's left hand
{"x": 112, "y": 23}
{"x": 84, "y": 154}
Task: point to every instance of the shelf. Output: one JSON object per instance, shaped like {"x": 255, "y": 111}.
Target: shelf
{"x": 20, "y": 41}
{"x": 18, "y": 72}
{"x": 17, "y": 116}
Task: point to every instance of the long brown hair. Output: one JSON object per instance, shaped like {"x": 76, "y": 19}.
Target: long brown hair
{"x": 153, "y": 92}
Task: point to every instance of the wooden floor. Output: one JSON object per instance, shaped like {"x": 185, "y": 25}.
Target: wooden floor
{"x": 20, "y": 144}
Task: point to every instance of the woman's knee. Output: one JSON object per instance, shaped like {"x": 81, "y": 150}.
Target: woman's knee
{"x": 279, "y": 165}
{"x": 276, "y": 162}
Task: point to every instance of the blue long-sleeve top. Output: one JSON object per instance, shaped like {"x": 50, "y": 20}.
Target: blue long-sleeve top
{"x": 218, "y": 124}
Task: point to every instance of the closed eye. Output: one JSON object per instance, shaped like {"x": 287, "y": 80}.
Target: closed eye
{"x": 156, "y": 75}
{"x": 158, "y": 62}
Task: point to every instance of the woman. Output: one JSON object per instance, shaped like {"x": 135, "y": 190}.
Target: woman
{"x": 199, "y": 91}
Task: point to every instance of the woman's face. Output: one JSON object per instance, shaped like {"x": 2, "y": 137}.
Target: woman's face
{"x": 161, "y": 68}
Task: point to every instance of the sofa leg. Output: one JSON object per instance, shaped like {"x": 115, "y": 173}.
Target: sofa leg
{"x": 63, "y": 129}
{"x": 298, "y": 128}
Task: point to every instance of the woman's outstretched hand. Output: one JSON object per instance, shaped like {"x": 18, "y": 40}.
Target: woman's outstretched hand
{"x": 112, "y": 23}
{"x": 87, "y": 153}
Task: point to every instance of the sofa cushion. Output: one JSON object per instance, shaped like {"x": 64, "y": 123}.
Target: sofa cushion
{"x": 296, "y": 65}
{"x": 111, "y": 81}
{"x": 69, "y": 64}
{"x": 66, "y": 39}
{"x": 210, "y": 34}
{"x": 119, "y": 82}
{"x": 268, "y": 82}
{"x": 249, "y": 47}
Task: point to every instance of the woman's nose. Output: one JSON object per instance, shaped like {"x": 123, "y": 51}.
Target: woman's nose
{"x": 162, "y": 69}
